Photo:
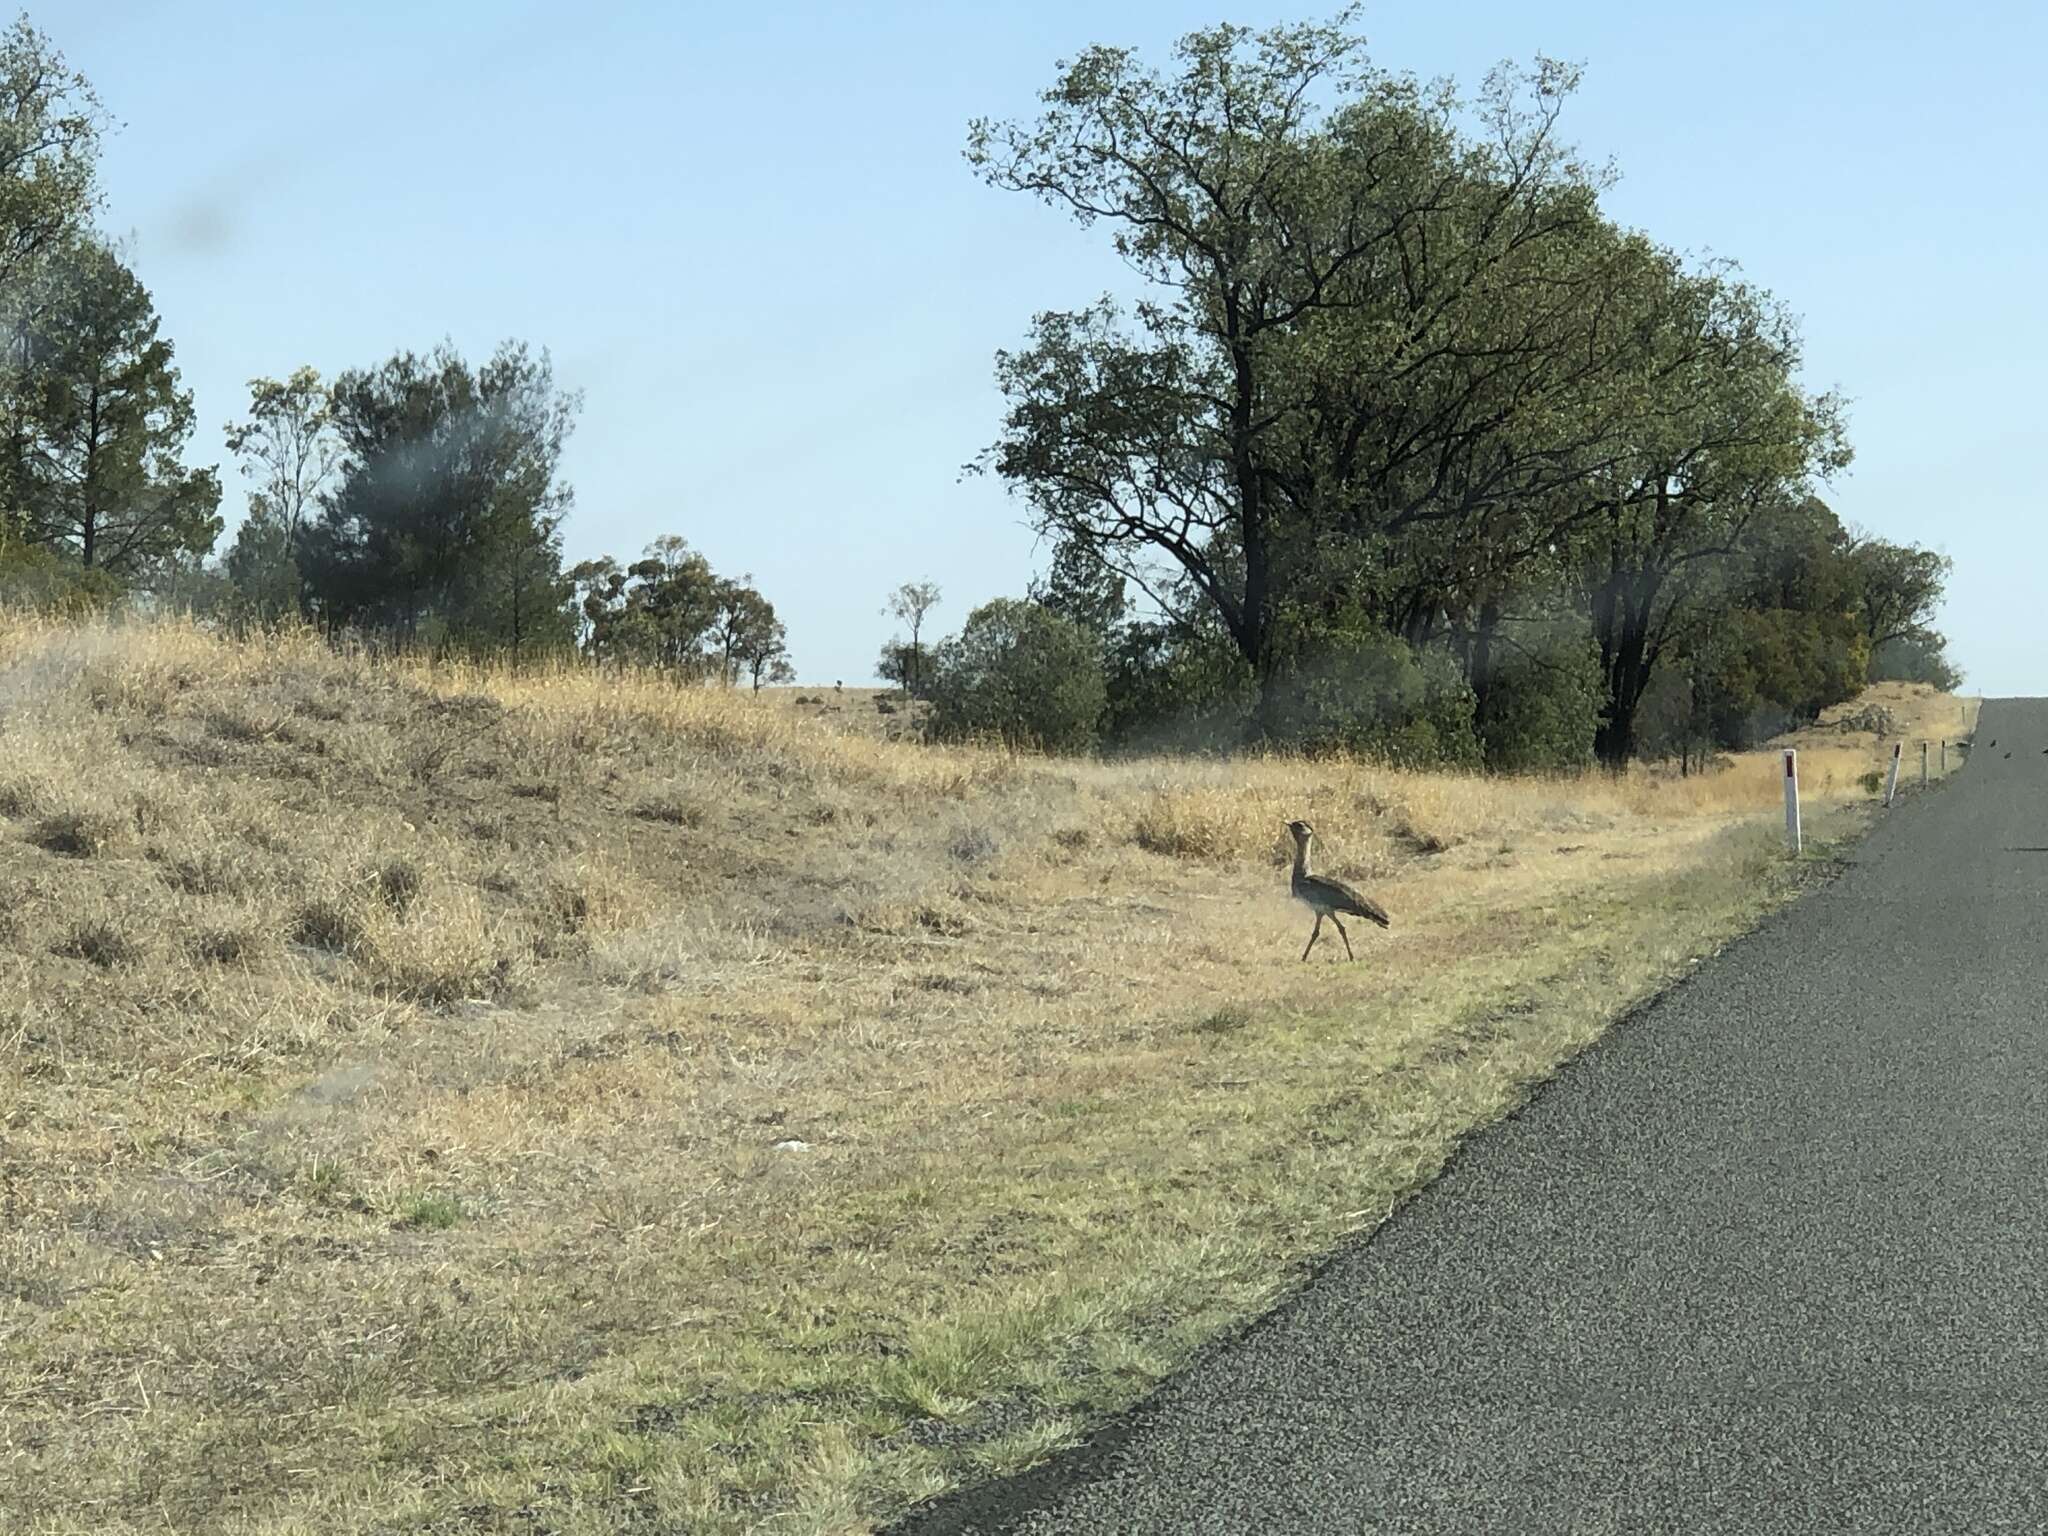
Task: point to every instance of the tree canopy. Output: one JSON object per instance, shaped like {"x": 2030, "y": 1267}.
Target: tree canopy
{"x": 448, "y": 503}
{"x": 1403, "y": 445}
{"x": 98, "y": 422}
{"x": 1396, "y": 374}
{"x": 50, "y": 126}
{"x": 669, "y": 609}
{"x": 1021, "y": 674}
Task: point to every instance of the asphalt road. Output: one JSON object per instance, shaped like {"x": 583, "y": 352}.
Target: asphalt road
{"x": 1771, "y": 1256}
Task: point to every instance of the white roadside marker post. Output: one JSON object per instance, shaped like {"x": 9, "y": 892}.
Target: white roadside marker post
{"x": 1923, "y": 765}
{"x": 1792, "y": 799}
{"x": 1944, "y": 757}
{"x": 1891, "y": 783}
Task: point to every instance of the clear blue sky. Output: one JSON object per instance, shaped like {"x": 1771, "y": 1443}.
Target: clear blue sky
{"x": 747, "y": 234}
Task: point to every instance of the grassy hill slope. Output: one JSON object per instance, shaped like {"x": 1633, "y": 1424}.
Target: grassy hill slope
{"x": 442, "y": 1100}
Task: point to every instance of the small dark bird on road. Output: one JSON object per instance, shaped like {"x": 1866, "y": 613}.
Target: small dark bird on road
{"x": 2008, "y": 754}
{"x": 1994, "y": 741}
{"x": 1326, "y": 897}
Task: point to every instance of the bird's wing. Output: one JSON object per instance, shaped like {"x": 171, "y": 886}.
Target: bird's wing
{"x": 1358, "y": 903}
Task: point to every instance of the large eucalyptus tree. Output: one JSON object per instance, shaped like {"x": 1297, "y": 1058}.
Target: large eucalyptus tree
{"x": 1378, "y": 348}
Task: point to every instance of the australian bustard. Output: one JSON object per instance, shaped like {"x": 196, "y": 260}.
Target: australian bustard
{"x": 1326, "y": 897}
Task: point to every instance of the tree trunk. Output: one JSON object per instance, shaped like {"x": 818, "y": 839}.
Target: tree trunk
{"x": 1479, "y": 655}
{"x": 518, "y": 589}
{"x": 1628, "y": 677}
{"x": 88, "y": 511}
{"x": 1622, "y": 606}
{"x": 1614, "y": 743}
{"x": 1266, "y": 723}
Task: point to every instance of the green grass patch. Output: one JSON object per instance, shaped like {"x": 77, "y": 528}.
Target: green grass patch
{"x": 434, "y": 1213}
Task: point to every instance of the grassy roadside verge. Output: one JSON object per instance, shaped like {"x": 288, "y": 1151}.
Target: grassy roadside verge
{"x": 1269, "y": 1140}
{"x": 398, "y": 1067}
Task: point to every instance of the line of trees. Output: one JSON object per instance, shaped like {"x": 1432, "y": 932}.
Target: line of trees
{"x": 670, "y": 609}
{"x": 422, "y": 502}
{"x": 1409, "y": 447}
{"x": 904, "y": 662}
{"x": 419, "y": 502}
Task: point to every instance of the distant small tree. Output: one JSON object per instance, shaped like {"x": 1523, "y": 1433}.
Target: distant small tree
{"x": 766, "y": 666}
{"x": 187, "y": 583}
{"x": 260, "y": 568}
{"x": 1023, "y": 674}
{"x": 745, "y": 631}
{"x": 1896, "y": 589}
{"x": 522, "y": 600}
{"x": 910, "y": 603}
{"x": 287, "y": 448}
{"x": 898, "y": 665}
{"x": 659, "y": 611}
{"x": 600, "y": 587}
{"x": 671, "y": 605}
{"x": 1919, "y": 657}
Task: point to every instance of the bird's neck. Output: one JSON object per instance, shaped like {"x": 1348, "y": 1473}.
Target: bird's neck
{"x": 1301, "y": 858}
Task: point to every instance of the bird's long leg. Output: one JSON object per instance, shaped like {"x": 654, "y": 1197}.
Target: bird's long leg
{"x": 1347, "y": 937}
{"x": 1313, "y": 934}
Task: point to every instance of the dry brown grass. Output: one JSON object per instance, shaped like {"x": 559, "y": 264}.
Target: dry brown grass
{"x": 880, "y": 714}
{"x": 398, "y": 1065}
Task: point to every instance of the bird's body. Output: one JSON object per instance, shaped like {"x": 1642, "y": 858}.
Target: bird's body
{"x": 1326, "y": 897}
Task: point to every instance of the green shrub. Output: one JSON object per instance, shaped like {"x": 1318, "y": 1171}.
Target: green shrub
{"x": 1372, "y": 693}
{"x": 1170, "y": 691}
{"x": 37, "y": 578}
{"x": 1915, "y": 658}
{"x": 1022, "y": 674}
{"x": 1542, "y": 708}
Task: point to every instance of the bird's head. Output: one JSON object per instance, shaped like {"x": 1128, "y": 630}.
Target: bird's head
{"x": 1301, "y": 831}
